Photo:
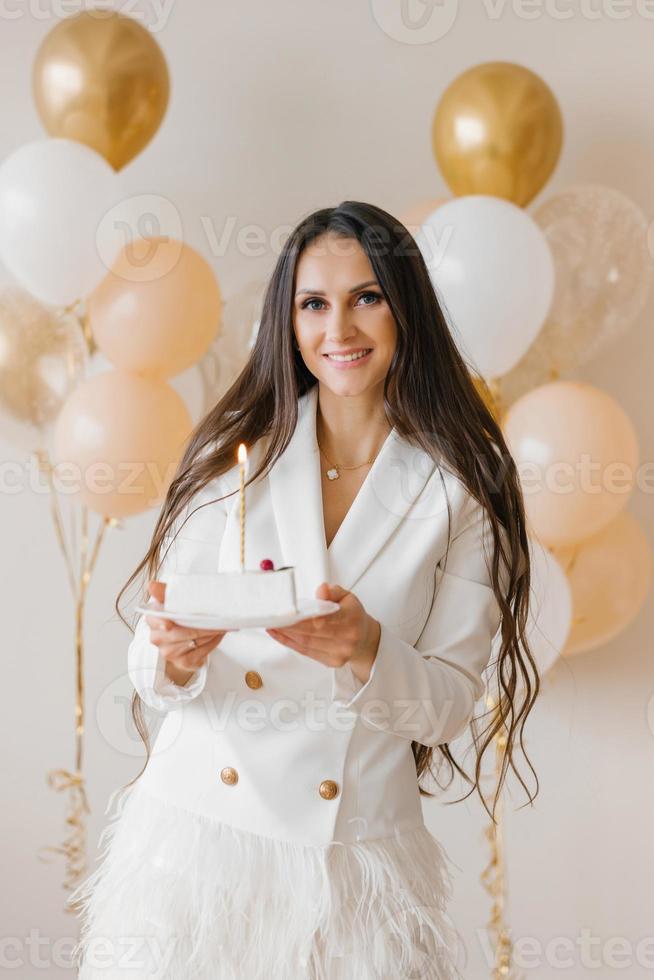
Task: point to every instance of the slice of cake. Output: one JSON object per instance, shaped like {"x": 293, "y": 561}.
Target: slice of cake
{"x": 261, "y": 592}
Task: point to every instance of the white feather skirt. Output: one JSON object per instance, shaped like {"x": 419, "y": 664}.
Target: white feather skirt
{"x": 180, "y": 896}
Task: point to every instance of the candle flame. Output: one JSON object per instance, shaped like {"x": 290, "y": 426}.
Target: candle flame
{"x": 242, "y": 453}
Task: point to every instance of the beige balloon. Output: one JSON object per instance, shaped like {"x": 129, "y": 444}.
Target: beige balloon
{"x": 158, "y": 309}
{"x": 100, "y": 78}
{"x": 610, "y": 575}
{"x": 577, "y": 455}
{"x": 43, "y": 356}
{"x": 120, "y": 437}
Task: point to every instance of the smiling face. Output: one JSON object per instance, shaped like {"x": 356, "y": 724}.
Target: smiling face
{"x": 339, "y": 309}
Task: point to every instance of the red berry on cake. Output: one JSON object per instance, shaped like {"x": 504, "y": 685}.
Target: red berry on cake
{"x": 267, "y": 565}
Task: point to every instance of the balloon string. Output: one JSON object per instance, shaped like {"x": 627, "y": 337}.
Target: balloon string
{"x": 70, "y": 307}
{"x": 85, "y": 323}
{"x": 494, "y": 388}
{"x": 44, "y": 464}
{"x": 86, "y": 570}
{"x": 88, "y": 334}
{"x": 572, "y": 558}
{"x": 493, "y": 875}
{"x": 73, "y": 847}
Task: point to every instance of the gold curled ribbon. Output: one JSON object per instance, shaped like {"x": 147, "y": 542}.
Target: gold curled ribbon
{"x": 79, "y": 567}
{"x": 73, "y": 848}
{"x": 493, "y": 875}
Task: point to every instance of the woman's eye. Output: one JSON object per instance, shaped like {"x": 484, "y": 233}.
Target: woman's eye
{"x": 375, "y": 296}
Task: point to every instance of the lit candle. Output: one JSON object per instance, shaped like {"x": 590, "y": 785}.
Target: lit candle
{"x": 242, "y": 457}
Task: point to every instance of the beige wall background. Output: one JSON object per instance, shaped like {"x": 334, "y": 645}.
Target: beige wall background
{"x": 276, "y": 109}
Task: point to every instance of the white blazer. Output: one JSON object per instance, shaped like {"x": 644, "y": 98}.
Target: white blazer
{"x": 276, "y": 743}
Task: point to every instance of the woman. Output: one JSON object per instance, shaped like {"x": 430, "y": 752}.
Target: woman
{"x": 276, "y": 831}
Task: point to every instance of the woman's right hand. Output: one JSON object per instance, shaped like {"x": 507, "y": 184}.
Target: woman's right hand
{"x": 182, "y": 657}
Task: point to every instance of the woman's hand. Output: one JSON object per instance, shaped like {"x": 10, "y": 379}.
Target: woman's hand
{"x": 347, "y": 636}
{"x": 182, "y": 656}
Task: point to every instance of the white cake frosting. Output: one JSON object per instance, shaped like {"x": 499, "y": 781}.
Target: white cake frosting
{"x": 248, "y": 593}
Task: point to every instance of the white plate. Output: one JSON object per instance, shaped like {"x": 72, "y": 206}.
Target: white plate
{"x": 306, "y": 609}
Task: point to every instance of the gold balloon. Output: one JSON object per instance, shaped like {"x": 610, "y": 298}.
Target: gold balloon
{"x": 101, "y": 79}
{"x": 43, "y": 356}
{"x": 609, "y": 575}
{"x": 497, "y": 130}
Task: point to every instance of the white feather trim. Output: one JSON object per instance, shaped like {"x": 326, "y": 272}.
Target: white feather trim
{"x": 177, "y": 895}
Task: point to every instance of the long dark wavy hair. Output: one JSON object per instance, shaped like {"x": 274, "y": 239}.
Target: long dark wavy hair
{"x": 431, "y": 398}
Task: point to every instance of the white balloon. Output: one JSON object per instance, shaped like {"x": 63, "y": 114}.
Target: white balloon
{"x": 221, "y": 365}
{"x": 550, "y": 609}
{"x": 229, "y": 352}
{"x": 242, "y": 314}
{"x": 550, "y": 606}
{"x": 190, "y": 386}
{"x": 254, "y": 334}
{"x": 492, "y": 268}
{"x": 54, "y": 194}
{"x": 6, "y": 278}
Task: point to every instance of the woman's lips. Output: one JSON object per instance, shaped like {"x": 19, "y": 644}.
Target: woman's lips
{"x": 344, "y": 365}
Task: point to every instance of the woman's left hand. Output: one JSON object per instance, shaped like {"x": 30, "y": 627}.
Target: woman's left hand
{"x": 347, "y": 636}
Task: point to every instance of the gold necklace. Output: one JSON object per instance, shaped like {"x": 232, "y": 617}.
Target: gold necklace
{"x": 333, "y": 473}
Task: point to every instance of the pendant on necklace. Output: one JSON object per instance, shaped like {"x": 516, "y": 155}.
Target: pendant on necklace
{"x": 333, "y": 474}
